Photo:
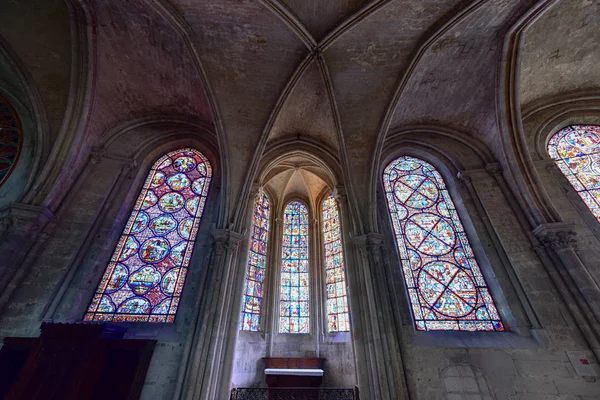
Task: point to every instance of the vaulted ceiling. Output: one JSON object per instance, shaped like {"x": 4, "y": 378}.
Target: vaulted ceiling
{"x": 340, "y": 73}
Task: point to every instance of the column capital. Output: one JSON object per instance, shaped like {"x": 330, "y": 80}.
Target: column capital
{"x": 494, "y": 168}
{"x": 464, "y": 178}
{"x": 17, "y": 217}
{"x": 339, "y": 193}
{"x": 226, "y": 240}
{"x": 556, "y": 235}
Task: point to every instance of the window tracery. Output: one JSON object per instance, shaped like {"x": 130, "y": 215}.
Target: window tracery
{"x": 337, "y": 299}
{"x": 294, "y": 290}
{"x": 144, "y": 279}
{"x": 253, "y": 285}
{"x": 11, "y": 139}
{"x": 446, "y": 288}
{"x": 576, "y": 151}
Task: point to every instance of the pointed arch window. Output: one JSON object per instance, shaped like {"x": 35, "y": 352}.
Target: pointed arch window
{"x": 337, "y": 300}
{"x": 447, "y": 290}
{"x": 294, "y": 289}
{"x": 576, "y": 151}
{"x": 257, "y": 258}
{"x": 145, "y": 276}
{"x": 11, "y": 139}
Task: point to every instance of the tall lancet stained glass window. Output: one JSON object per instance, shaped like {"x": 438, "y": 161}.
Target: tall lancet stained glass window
{"x": 257, "y": 257}
{"x": 446, "y": 288}
{"x": 294, "y": 293}
{"x": 337, "y": 300}
{"x": 145, "y": 276}
{"x": 576, "y": 150}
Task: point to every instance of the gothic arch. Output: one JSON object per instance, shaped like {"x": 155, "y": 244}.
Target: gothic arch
{"x": 440, "y": 150}
{"x": 145, "y": 141}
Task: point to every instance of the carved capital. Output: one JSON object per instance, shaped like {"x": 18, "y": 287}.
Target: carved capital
{"x": 494, "y": 169}
{"x": 465, "y": 179}
{"x": 23, "y": 219}
{"x": 339, "y": 193}
{"x": 557, "y": 236}
{"x": 256, "y": 191}
{"x": 226, "y": 241}
{"x": 360, "y": 244}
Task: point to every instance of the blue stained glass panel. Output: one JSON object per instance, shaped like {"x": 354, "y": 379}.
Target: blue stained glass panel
{"x": 294, "y": 290}
{"x": 253, "y": 285}
{"x": 337, "y": 299}
{"x": 145, "y": 276}
{"x": 576, "y": 151}
{"x": 445, "y": 285}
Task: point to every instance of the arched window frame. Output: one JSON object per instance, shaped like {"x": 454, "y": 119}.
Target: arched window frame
{"x": 323, "y": 263}
{"x": 541, "y": 139}
{"x": 181, "y": 268}
{"x": 121, "y": 200}
{"x": 267, "y": 273}
{"x": 514, "y": 324}
{"x": 311, "y": 268}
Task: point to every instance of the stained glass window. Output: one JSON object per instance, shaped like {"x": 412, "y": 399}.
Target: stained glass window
{"x": 293, "y": 303}
{"x": 253, "y": 286}
{"x": 145, "y": 276}
{"x": 446, "y": 288}
{"x": 576, "y": 150}
{"x": 11, "y": 139}
{"x": 337, "y": 299}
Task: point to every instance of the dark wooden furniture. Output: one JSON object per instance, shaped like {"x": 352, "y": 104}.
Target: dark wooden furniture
{"x": 74, "y": 361}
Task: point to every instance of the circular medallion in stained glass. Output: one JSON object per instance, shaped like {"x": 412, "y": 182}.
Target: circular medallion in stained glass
{"x": 163, "y": 224}
{"x": 185, "y": 228}
{"x": 149, "y": 200}
{"x": 157, "y": 180}
{"x": 135, "y": 305}
{"x": 586, "y": 141}
{"x": 140, "y": 223}
{"x": 447, "y": 289}
{"x": 192, "y": 205}
{"x": 171, "y": 202}
{"x": 177, "y": 253}
{"x": 118, "y": 278}
{"x": 144, "y": 279}
{"x": 129, "y": 249}
{"x": 198, "y": 186}
{"x": 184, "y": 164}
{"x": 169, "y": 281}
{"x": 154, "y": 250}
{"x": 430, "y": 234}
{"x": 178, "y": 182}
{"x": 416, "y": 191}
{"x": 202, "y": 169}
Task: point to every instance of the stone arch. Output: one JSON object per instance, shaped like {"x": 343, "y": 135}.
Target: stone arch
{"x": 24, "y": 97}
{"x": 461, "y": 160}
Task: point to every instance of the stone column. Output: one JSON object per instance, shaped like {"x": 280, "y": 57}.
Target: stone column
{"x": 559, "y": 238}
{"x": 205, "y": 370}
{"x": 379, "y": 363}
